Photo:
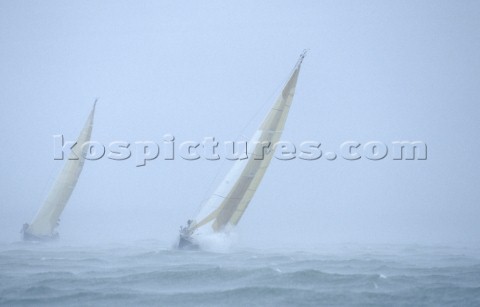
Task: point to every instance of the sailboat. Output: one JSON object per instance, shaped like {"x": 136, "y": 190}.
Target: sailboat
{"x": 43, "y": 226}
{"x": 224, "y": 209}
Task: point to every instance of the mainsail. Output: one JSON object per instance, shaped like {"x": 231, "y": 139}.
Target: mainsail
{"x": 225, "y": 207}
{"x": 47, "y": 218}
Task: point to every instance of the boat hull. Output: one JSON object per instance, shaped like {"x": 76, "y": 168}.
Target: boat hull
{"x": 187, "y": 243}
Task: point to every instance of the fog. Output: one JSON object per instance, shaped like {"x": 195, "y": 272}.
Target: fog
{"x": 375, "y": 71}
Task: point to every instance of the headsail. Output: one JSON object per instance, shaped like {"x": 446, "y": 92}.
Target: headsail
{"x": 226, "y": 206}
{"x": 48, "y": 216}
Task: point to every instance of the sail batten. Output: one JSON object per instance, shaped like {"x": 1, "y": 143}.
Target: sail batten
{"x": 47, "y": 218}
{"x": 228, "y": 203}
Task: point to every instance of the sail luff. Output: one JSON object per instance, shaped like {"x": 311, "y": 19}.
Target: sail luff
{"x": 247, "y": 174}
{"x": 48, "y": 216}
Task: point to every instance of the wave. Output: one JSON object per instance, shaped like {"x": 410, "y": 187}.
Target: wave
{"x": 148, "y": 275}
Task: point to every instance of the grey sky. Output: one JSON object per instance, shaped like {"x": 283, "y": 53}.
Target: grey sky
{"x": 375, "y": 71}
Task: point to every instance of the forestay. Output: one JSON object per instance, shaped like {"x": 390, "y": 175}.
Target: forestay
{"x": 228, "y": 203}
{"x": 48, "y": 216}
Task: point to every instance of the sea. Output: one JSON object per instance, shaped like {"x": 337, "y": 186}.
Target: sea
{"x": 152, "y": 273}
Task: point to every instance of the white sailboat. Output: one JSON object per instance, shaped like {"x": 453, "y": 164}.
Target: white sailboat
{"x": 43, "y": 225}
{"x": 224, "y": 209}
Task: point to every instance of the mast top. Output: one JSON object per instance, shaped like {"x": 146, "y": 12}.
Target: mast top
{"x": 302, "y": 56}
{"x": 95, "y": 104}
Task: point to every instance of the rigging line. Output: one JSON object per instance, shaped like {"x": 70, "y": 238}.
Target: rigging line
{"x": 242, "y": 130}
{"x": 273, "y": 94}
{"x": 57, "y": 170}
{"x": 208, "y": 191}
{"x": 238, "y": 134}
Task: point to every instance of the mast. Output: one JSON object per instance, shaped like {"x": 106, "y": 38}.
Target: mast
{"x": 228, "y": 203}
{"x": 48, "y": 216}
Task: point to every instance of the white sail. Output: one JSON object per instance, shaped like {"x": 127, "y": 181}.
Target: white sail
{"x": 48, "y": 216}
{"x": 229, "y": 201}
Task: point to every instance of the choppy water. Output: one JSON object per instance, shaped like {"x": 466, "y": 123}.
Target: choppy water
{"x": 147, "y": 273}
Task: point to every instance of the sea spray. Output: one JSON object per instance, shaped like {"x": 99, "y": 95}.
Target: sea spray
{"x": 217, "y": 242}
